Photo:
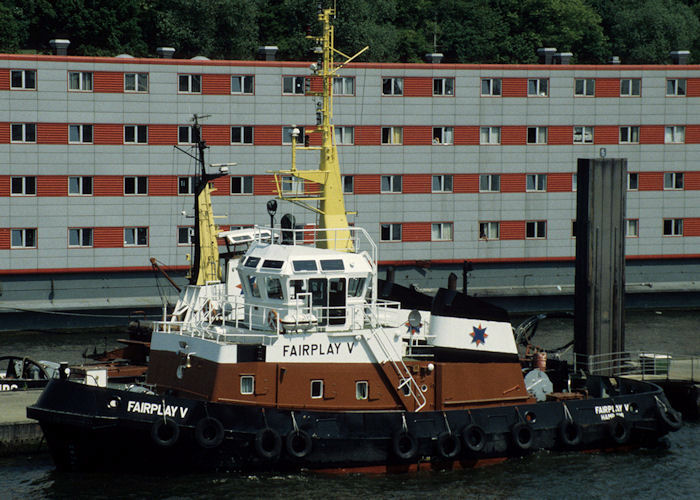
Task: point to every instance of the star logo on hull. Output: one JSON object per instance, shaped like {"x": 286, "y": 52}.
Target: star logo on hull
{"x": 479, "y": 335}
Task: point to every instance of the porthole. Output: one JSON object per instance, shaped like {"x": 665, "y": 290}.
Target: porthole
{"x": 530, "y": 417}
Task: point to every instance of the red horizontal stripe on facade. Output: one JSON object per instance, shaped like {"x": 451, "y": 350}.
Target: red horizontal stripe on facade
{"x": 691, "y": 226}
{"x": 315, "y": 137}
{"x": 52, "y": 133}
{"x": 560, "y": 135}
{"x": 108, "y": 134}
{"x": 162, "y": 185}
{"x": 692, "y": 181}
{"x": 367, "y": 135}
{"x": 692, "y": 134}
{"x": 4, "y": 133}
{"x": 465, "y": 183}
{"x": 222, "y": 186}
{"x": 607, "y": 87}
{"x": 4, "y": 79}
{"x": 651, "y": 134}
{"x": 108, "y": 185}
{"x": 267, "y": 135}
{"x": 367, "y": 184}
{"x": 4, "y": 238}
{"x": 651, "y": 181}
{"x": 418, "y": 86}
{"x": 513, "y": 135}
{"x": 417, "y": 183}
{"x": 108, "y": 237}
{"x": 466, "y": 136}
{"x": 216, "y": 135}
{"x": 559, "y": 182}
{"x": 216, "y": 84}
{"x": 417, "y": 136}
{"x": 316, "y": 84}
{"x": 606, "y": 134}
{"x": 108, "y": 81}
{"x": 512, "y": 230}
{"x": 512, "y": 183}
{"x": 128, "y": 269}
{"x": 162, "y": 135}
{"x": 415, "y": 231}
{"x": 51, "y": 185}
{"x": 693, "y": 87}
{"x": 4, "y": 185}
{"x": 514, "y": 87}
{"x": 264, "y": 185}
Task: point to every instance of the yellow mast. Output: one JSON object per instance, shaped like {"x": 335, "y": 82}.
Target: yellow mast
{"x": 330, "y": 201}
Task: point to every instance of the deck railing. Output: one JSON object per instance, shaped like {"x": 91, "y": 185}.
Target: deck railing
{"x": 644, "y": 365}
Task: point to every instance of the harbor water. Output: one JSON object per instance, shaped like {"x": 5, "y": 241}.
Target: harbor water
{"x": 669, "y": 471}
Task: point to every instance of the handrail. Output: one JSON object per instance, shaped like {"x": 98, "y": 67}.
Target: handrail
{"x": 645, "y": 364}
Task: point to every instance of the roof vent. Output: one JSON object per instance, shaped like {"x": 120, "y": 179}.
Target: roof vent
{"x": 562, "y": 57}
{"x": 546, "y": 55}
{"x": 201, "y": 58}
{"x": 60, "y": 46}
{"x": 267, "y": 52}
{"x": 434, "y": 57}
{"x": 614, "y": 60}
{"x": 165, "y": 52}
{"x": 679, "y": 56}
{"x": 125, "y": 56}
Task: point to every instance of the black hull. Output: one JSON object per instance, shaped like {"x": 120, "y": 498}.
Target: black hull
{"x": 89, "y": 428}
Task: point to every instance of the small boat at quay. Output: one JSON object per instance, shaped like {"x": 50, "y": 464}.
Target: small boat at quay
{"x": 298, "y": 360}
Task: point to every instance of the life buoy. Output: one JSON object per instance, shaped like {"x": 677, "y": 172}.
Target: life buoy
{"x": 474, "y": 437}
{"x": 209, "y": 432}
{"x": 165, "y": 432}
{"x": 523, "y": 435}
{"x": 405, "y": 445}
{"x": 619, "y": 430}
{"x": 298, "y": 443}
{"x": 570, "y": 433}
{"x": 268, "y": 443}
{"x": 273, "y": 319}
{"x": 448, "y": 445}
{"x": 670, "y": 418}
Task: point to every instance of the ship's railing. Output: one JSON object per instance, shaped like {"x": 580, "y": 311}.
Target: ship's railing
{"x": 644, "y": 365}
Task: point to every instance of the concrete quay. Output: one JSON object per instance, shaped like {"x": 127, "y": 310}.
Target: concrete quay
{"x": 18, "y": 434}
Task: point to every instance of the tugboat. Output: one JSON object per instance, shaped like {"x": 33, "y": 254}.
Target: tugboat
{"x": 294, "y": 362}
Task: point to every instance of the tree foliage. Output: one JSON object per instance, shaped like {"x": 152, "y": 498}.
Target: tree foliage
{"x": 468, "y": 31}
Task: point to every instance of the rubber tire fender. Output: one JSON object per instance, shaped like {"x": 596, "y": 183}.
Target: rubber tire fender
{"x": 570, "y": 433}
{"x": 404, "y": 445}
{"x": 671, "y": 419}
{"x": 263, "y": 438}
{"x": 619, "y": 430}
{"x": 296, "y": 438}
{"x": 474, "y": 437}
{"x": 165, "y": 432}
{"x": 522, "y": 435}
{"x": 209, "y": 432}
{"x": 448, "y": 445}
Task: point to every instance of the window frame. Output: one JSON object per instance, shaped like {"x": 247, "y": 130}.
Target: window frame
{"x": 361, "y": 395}
{"x": 537, "y": 91}
{"x": 395, "y": 182}
{"x": 538, "y": 229}
{"x": 191, "y": 83}
{"x": 674, "y": 181}
{"x": 394, "y": 85}
{"x": 137, "y": 231}
{"x": 675, "y": 226}
{"x": 440, "y": 87}
{"x": 190, "y": 185}
{"x": 246, "y": 134}
{"x": 190, "y": 134}
{"x": 491, "y": 87}
{"x": 586, "y": 134}
{"x": 344, "y": 181}
{"x": 189, "y": 233}
{"x": 342, "y": 83}
{"x": 24, "y": 128}
{"x": 296, "y": 86}
{"x": 630, "y": 92}
{"x": 138, "y": 185}
{"x": 489, "y": 226}
{"x": 445, "y": 136}
{"x": 287, "y": 131}
{"x": 23, "y": 85}
{"x": 587, "y": 87}
{"x": 674, "y": 88}
{"x": 28, "y": 188}
{"x": 632, "y": 186}
{"x": 247, "y": 392}
{"x": 81, "y": 185}
{"x": 490, "y": 132}
{"x": 82, "y": 129}
{"x": 83, "y": 81}
{"x": 343, "y": 131}
{"x": 631, "y": 130}
{"x": 445, "y": 183}
{"x": 316, "y": 383}
{"x": 489, "y": 183}
{"x": 442, "y": 228}
{"x": 243, "y": 85}
{"x": 137, "y": 77}
{"x": 539, "y": 183}
{"x": 81, "y": 233}
{"x": 674, "y": 134}
{"x": 247, "y": 185}
{"x": 629, "y": 223}
{"x": 137, "y": 135}
{"x": 394, "y": 232}
{"x": 539, "y": 132}
{"x": 390, "y": 132}
{"x": 24, "y": 231}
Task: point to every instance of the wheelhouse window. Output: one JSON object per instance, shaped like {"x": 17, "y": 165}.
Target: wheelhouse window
{"x": 491, "y": 87}
{"x": 80, "y": 134}
{"x": 80, "y": 186}
{"x": 23, "y": 186}
{"x": 489, "y": 183}
{"x": 293, "y": 85}
{"x": 23, "y": 238}
{"x": 583, "y": 135}
{"x": 274, "y": 288}
{"x": 316, "y": 389}
{"x": 441, "y": 231}
{"x": 674, "y": 135}
{"x": 344, "y": 85}
{"x": 392, "y": 86}
{"x": 22, "y": 79}
{"x": 390, "y": 232}
{"x": 247, "y": 384}
{"x": 23, "y": 132}
{"x": 673, "y": 227}
{"x": 189, "y": 84}
{"x": 253, "y": 286}
{"x": 135, "y": 236}
{"x": 135, "y": 185}
{"x": 135, "y": 82}
{"x": 185, "y": 185}
{"x": 348, "y": 184}
{"x": 242, "y": 184}
{"x": 242, "y": 135}
{"x": 392, "y": 135}
{"x": 242, "y": 84}
{"x": 676, "y": 86}
{"x": 536, "y": 182}
{"x": 632, "y": 228}
{"x": 80, "y": 237}
{"x": 356, "y": 287}
{"x": 442, "y": 183}
{"x": 535, "y": 229}
{"x": 490, "y": 135}
{"x": 304, "y": 265}
{"x": 537, "y": 135}
{"x": 80, "y": 81}
{"x": 443, "y": 135}
{"x": 444, "y": 86}
{"x": 489, "y": 230}
{"x": 538, "y": 87}
{"x": 361, "y": 390}
{"x": 332, "y": 265}
{"x": 391, "y": 183}
{"x": 584, "y": 87}
{"x": 629, "y": 135}
{"x": 673, "y": 180}
{"x": 630, "y": 87}
{"x": 135, "y": 134}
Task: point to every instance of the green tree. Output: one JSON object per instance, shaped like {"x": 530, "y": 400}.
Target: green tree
{"x": 13, "y": 26}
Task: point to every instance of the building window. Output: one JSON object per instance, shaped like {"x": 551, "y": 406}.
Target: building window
{"x": 538, "y": 87}
{"x": 535, "y": 229}
{"x": 291, "y": 184}
{"x": 574, "y": 182}
{"x": 23, "y": 186}
{"x": 185, "y": 134}
{"x": 537, "y": 135}
{"x": 242, "y": 84}
{"x": 316, "y": 389}
{"x": 629, "y": 135}
{"x": 23, "y": 79}
{"x": 444, "y": 86}
{"x": 392, "y": 86}
{"x": 490, "y": 86}
{"x": 189, "y": 84}
{"x": 673, "y": 180}
{"x": 23, "y": 132}
{"x": 185, "y": 235}
{"x": 287, "y": 135}
{"x": 673, "y": 227}
{"x": 80, "y": 237}
{"x": 632, "y": 181}
{"x": 391, "y": 184}
{"x": 185, "y": 185}
{"x": 348, "y": 184}
{"x": 443, "y": 135}
{"x": 583, "y": 135}
{"x": 80, "y": 186}
{"x": 675, "y": 86}
{"x": 80, "y": 81}
{"x": 392, "y": 135}
{"x": 344, "y": 135}
{"x": 675, "y": 135}
{"x": 573, "y": 228}
{"x": 293, "y": 85}
{"x": 441, "y": 231}
{"x": 344, "y": 85}
{"x": 536, "y": 182}
{"x": 135, "y": 134}
{"x": 488, "y": 230}
{"x": 242, "y": 135}
{"x": 135, "y": 236}
{"x": 442, "y": 183}
{"x": 630, "y": 87}
{"x": 80, "y": 134}
{"x": 23, "y": 238}
{"x": 135, "y": 82}
{"x": 390, "y": 232}
{"x": 361, "y": 389}
{"x": 135, "y": 185}
{"x": 489, "y": 183}
{"x": 632, "y": 228}
{"x": 490, "y": 135}
{"x": 247, "y": 384}
{"x": 584, "y": 87}
{"x": 242, "y": 184}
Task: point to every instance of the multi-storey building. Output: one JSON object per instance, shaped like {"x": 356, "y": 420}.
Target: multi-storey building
{"x": 443, "y": 164}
